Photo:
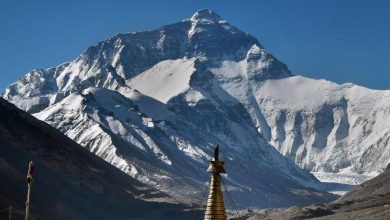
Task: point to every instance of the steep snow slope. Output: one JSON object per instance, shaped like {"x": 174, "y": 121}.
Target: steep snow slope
{"x": 164, "y": 80}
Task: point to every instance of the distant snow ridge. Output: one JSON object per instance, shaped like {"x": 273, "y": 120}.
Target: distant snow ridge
{"x": 153, "y": 103}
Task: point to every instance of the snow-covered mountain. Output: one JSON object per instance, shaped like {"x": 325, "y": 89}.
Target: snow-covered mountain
{"x": 153, "y": 103}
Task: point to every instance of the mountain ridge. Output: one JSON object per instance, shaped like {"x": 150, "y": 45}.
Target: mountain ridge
{"x": 226, "y": 86}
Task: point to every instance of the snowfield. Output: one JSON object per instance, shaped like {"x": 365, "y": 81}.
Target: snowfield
{"x": 164, "y": 80}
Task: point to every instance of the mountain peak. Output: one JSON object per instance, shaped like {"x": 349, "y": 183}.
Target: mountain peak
{"x": 206, "y": 14}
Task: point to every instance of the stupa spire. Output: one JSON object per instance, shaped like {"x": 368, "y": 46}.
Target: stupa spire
{"x": 215, "y": 206}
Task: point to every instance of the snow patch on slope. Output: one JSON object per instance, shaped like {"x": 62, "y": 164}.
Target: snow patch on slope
{"x": 192, "y": 97}
{"x": 298, "y": 92}
{"x": 165, "y": 80}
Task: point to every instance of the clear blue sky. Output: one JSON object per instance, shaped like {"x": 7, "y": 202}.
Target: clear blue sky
{"x": 337, "y": 40}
